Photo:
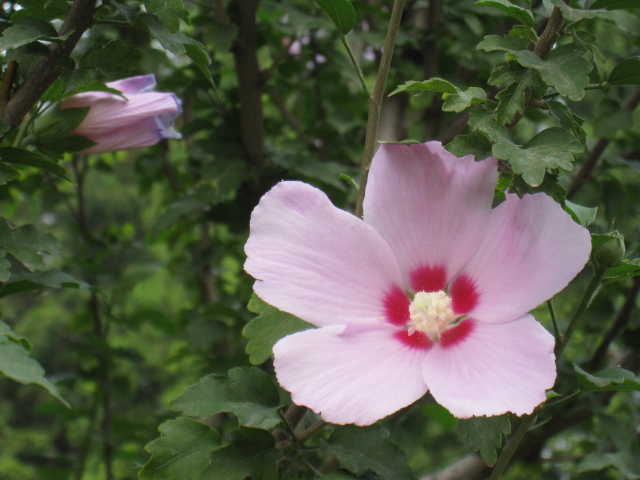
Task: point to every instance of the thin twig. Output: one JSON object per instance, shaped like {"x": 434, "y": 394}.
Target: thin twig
{"x": 375, "y": 101}
{"x": 586, "y": 300}
{"x": 311, "y": 431}
{"x": 345, "y": 42}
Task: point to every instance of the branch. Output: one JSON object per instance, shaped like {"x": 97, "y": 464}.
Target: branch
{"x": 375, "y": 101}
{"x": 245, "y": 54}
{"x": 48, "y": 68}
{"x": 550, "y": 34}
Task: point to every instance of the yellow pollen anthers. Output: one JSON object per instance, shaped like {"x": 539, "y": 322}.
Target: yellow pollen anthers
{"x": 430, "y": 313}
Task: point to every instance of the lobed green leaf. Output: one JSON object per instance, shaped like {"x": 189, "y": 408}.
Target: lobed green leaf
{"x": 251, "y": 453}
{"x": 608, "y": 379}
{"x": 485, "y": 435}
{"x": 248, "y": 393}
{"x": 182, "y": 452}
{"x": 17, "y": 364}
{"x": 169, "y": 12}
{"x": 266, "y": 329}
{"x": 26, "y": 244}
{"x": 362, "y": 449}
{"x": 552, "y": 148}
{"x": 564, "y": 69}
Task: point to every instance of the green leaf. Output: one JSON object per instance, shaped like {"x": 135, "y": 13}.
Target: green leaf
{"x": 44, "y": 10}
{"x": 523, "y": 15}
{"x": 56, "y": 122}
{"x": 615, "y": 4}
{"x": 626, "y": 268}
{"x": 459, "y": 101}
{"x": 575, "y": 14}
{"x": 7, "y": 173}
{"x": 16, "y": 364}
{"x": 26, "y": 244}
{"x": 200, "y": 59}
{"x": 341, "y": 12}
{"x": 38, "y": 281}
{"x": 112, "y": 59}
{"x": 470, "y": 145}
{"x": 608, "y": 379}
{"x": 564, "y": 69}
{"x": 485, "y": 434}
{"x": 252, "y": 453}
{"x": 507, "y": 43}
{"x": 182, "y": 452}
{"x": 582, "y": 215}
{"x": 169, "y": 12}
{"x": 362, "y": 449}
{"x": 624, "y": 462}
{"x": 626, "y": 72}
{"x": 566, "y": 119}
{"x": 512, "y": 99}
{"x": 433, "y": 84}
{"x": 173, "y": 42}
{"x": 27, "y": 30}
{"x": 19, "y": 156}
{"x": 266, "y": 329}
{"x": 482, "y": 121}
{"x": 551, "y": 148}
{"x": 249, "y": 393}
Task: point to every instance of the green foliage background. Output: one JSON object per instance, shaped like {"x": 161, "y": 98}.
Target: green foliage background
{"x": 124, "y": 270}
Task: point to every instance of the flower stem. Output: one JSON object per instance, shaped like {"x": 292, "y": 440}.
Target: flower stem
{"x": 511, "y": 447}
{"x": 345, "y": 42}
{"x": 375, "y": 100}
{"x": 526, "y": 422}
{"x": 21, "y": 131}
{"x": 588, "y": 296}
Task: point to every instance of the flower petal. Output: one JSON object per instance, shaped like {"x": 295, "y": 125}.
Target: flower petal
{"x": 496, "y": 368}
{"x": 430, "y": 206}
{"x": 134, "y": 85}
{"x": 143, "y": 133}
{"x": 116, "y": 112}
{"x": 350, "y": 378}
{"x": 317, "y": 262}
{"x": 531, "y": 250}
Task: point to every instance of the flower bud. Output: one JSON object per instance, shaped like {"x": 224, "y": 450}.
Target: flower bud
{"x": 611, "y": 252}
{"x": 139, "y": 118}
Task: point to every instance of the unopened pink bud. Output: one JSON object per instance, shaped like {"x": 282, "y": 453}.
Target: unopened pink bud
{"x": 140, "y": 119}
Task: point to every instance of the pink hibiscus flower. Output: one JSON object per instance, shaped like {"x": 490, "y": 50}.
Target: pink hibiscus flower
{"x": 430, "y": 292}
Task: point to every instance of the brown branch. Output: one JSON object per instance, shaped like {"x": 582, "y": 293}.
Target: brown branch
{"x": 7, "y": 82}
{"x": 47, "y": 70}
{"x": 550, "y": 34}
{"x": 245, "y": 54}
{"x": 591, "y": 161}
